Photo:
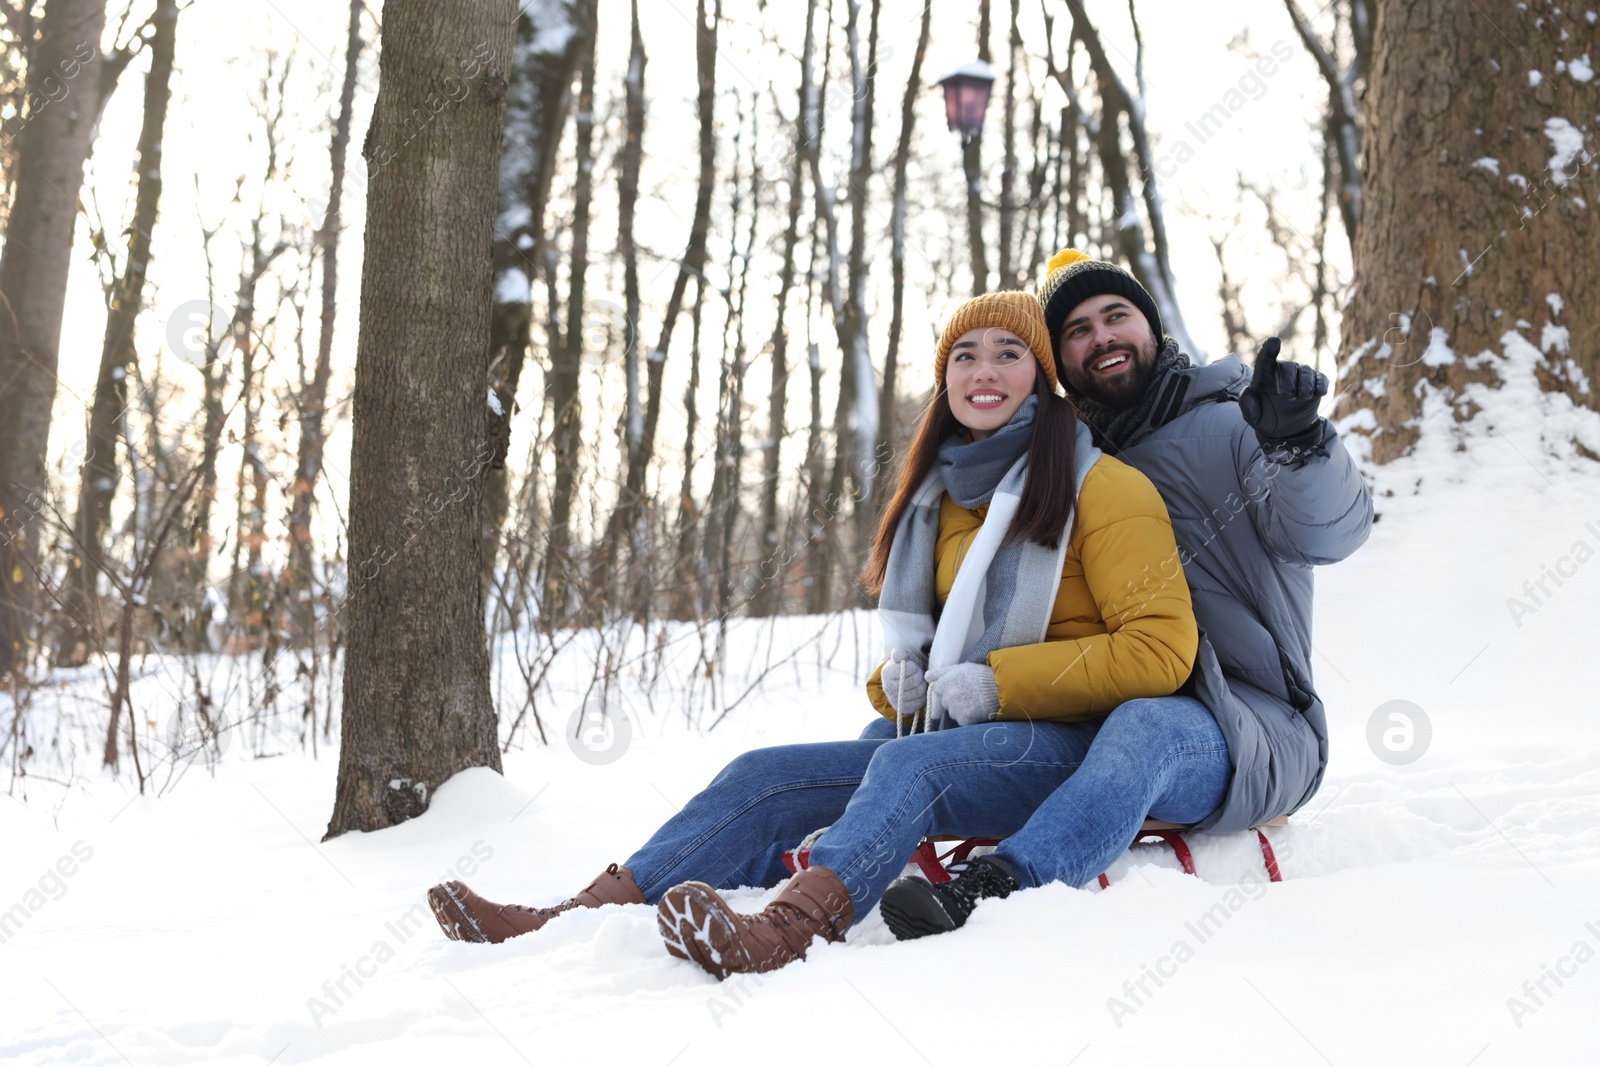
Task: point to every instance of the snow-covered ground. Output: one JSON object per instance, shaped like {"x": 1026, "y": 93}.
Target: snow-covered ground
{"x": 1442, "y": 911}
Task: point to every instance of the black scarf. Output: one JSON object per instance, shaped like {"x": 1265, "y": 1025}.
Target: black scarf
{"x": 1113, "y": 429}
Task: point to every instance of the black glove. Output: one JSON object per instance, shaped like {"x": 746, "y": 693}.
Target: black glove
{"x": 1280, "y": 403}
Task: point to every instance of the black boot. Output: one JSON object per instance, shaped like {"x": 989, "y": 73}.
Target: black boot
{"x": 913, "y": 908}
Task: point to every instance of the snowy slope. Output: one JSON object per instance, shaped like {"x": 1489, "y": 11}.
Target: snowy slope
{"x": 1445, "y": 911}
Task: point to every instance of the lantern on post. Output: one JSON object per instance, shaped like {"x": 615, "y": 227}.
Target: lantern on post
{"x": 966, "y": 98}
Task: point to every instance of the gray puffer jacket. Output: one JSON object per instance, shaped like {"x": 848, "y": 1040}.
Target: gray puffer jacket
{"x": 1249, "y": 530}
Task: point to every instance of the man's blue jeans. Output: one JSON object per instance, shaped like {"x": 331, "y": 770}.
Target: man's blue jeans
{"x": 1067, "y": 797}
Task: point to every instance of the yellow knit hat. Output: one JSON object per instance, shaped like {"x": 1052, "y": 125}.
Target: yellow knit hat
{"x": 1012, "y": 309}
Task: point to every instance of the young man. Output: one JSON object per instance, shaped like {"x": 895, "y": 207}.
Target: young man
{"x": 1260, "y": 491}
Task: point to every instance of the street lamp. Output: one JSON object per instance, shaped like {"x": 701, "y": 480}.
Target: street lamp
{"x": 966, "y": 98}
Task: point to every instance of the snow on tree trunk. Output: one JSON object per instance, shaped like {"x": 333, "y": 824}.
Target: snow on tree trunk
{"x": 543, "y": 61}
{"x": 1475, "y": 260}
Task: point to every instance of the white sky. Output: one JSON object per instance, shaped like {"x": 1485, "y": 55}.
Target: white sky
{"x": 212, "y": 138}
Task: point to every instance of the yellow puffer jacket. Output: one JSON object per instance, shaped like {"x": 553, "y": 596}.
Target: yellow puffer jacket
{"x": 1120, "y": 629}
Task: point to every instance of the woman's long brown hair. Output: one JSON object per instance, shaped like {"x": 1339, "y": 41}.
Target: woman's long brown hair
{"x": 1047, "y": 496}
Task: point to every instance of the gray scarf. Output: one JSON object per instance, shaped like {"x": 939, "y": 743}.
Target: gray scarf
{"x": 1003, "y": 593}
{"x": 972, "y": 471}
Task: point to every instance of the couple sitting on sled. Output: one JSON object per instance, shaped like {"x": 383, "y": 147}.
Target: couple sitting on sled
{"x": 1097, "y": 609}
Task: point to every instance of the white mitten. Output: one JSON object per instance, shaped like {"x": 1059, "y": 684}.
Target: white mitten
{"x": 967, "y": 691}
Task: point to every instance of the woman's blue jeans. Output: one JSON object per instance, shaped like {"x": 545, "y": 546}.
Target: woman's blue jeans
{"x": 1067, "y": 797}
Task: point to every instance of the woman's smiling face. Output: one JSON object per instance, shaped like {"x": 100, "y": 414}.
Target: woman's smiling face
{"x": 988, "y": 375}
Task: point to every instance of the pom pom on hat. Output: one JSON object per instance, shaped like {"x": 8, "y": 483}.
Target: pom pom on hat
{"x": 1072, "y": 277}
{"x": 1064, "y": 258}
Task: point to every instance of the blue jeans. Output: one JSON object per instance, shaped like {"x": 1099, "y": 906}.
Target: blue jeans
{"x": 1068, "y": 798}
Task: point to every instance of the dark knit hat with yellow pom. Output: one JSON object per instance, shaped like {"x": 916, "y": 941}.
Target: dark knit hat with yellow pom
{"x": 1072, "y": 277}
{"x": 1011, "y": 309}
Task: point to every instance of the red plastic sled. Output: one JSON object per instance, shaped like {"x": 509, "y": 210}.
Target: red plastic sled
{"x": 933, "y": 865}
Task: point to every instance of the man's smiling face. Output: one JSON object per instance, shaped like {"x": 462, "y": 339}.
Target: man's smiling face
{"x": 1108, "y": 353}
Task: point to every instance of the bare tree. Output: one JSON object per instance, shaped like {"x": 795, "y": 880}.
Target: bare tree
{"x": 631, "y": 505}
{"x": 856, "y": 410}
{"x": 1119, "y": 105}
{"x": 313, "y": 400}
{"x": 1008, "y": 170}
{"x": 248, "y": 590}
{"x": 100, "y": 469}
{"x": 723, "y": 515}
{"x": 50, "y": 152}
{"x": 1344, "y": 117}
{"x": 566, "y": 360}
{"x": 632, "y": 159}
{"x": 768, "y": 600}
{"x": 822, "y": 272}
{"x": 417, "y": 706}
{"x": 897, "y": 249}
{"x": 548, "y": 42}
{"x": 972, "y": 167}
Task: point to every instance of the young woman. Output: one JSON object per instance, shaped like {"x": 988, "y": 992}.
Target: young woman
{"x": 1017, "y": 570}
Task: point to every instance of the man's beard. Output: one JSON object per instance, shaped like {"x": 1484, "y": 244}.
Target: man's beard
{"x": 1123, "y": 391}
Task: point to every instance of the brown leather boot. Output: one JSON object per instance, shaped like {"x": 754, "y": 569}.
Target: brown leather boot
{"x": 465, "y": 916}
{"x": 697, "y": 924}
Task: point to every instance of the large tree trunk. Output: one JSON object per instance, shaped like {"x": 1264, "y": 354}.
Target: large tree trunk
{"x": 101, "y": 471}
{"x": 51, "y": 151}
{"x": 1475, "y": 256}
{"x": 314, "y": 400}
{"x": 417, "y": 706}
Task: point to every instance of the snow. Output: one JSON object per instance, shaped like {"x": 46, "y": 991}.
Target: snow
{"x": 1442, "y": 911}
{"x": 1534, "y": 77}
{"x": 1567, "y": 141}
{"x": 511, "y": 286}
{"x": 1488, "y": 163}
{"x": 977, "y": 68}
{"x": 1555, "y": 337}
{"x": 553, "y": 25}
{"x": 1554, "y": 300}
{"x": 1580, "y": 69}
{"x": 494, "y": 405}
{"x": 1438, "y": 353}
